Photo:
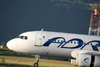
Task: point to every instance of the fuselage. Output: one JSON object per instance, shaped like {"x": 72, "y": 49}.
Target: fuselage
{"x": 53, "y": 43}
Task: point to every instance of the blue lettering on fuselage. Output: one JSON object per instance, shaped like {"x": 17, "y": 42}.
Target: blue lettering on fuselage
{"x": 94, "y": 47}
{"x": 53, "y": 40}
{"x": 80, "y": 43}
{"x": 64, "y": 42}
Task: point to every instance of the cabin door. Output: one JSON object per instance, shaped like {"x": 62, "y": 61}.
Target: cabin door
{"x": 38, "y": 39}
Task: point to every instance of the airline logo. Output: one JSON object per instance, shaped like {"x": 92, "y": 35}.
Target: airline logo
{"x": 81, "y": 43}
{"x": 86, "y": 60}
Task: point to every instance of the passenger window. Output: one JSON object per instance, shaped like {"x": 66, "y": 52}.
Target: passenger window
{"x": 74, "y": 42}
{"x": 54, "y": 41}
{"x": 58, "y": 41}
{"x": 61, "y": 40}
{"x": 77, "y": 42}
{"x": 71, "y": 42}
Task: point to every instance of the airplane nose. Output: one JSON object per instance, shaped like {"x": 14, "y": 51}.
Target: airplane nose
{"x": 9, "y": 44}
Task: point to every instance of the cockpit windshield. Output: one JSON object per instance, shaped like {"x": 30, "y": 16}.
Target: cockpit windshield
{"x": 23, "y": 37}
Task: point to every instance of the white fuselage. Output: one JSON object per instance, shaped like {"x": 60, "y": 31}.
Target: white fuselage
{"x": 53, "y": 43}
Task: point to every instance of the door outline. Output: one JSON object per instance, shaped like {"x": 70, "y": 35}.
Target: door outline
{"x": 38, "y": 39}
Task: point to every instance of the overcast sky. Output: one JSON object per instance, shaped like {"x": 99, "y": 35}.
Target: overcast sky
{"x": 18, "y": 16}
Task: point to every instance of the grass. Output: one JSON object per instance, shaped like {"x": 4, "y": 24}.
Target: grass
{"x": 6, "y": 53}
{"x": 12, "y": 65}
{"x": 18, "y": 63}
{"x": 30, "y": 64}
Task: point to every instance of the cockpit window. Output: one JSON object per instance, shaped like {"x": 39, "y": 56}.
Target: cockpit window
{"x": 23, "y": 37}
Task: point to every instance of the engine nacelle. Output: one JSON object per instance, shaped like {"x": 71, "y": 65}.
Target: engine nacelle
{"x": 86, "y": 60}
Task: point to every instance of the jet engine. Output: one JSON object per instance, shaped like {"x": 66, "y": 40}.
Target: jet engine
{"x": 86, "y": 60}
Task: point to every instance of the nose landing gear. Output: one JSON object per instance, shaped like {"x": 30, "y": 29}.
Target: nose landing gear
{"x": 37, "y": 60}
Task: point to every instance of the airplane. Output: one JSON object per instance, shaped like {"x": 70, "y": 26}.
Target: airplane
{"x": 83, "y": 50}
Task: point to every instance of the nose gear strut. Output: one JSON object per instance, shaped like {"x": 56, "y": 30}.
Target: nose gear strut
{"x": 37, "y": 60}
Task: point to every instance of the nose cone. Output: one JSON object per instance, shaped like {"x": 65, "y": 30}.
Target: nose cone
{"x": 9, "y": 44}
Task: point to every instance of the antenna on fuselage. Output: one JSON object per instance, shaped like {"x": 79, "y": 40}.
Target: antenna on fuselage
{"x": 42, "y": 29}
